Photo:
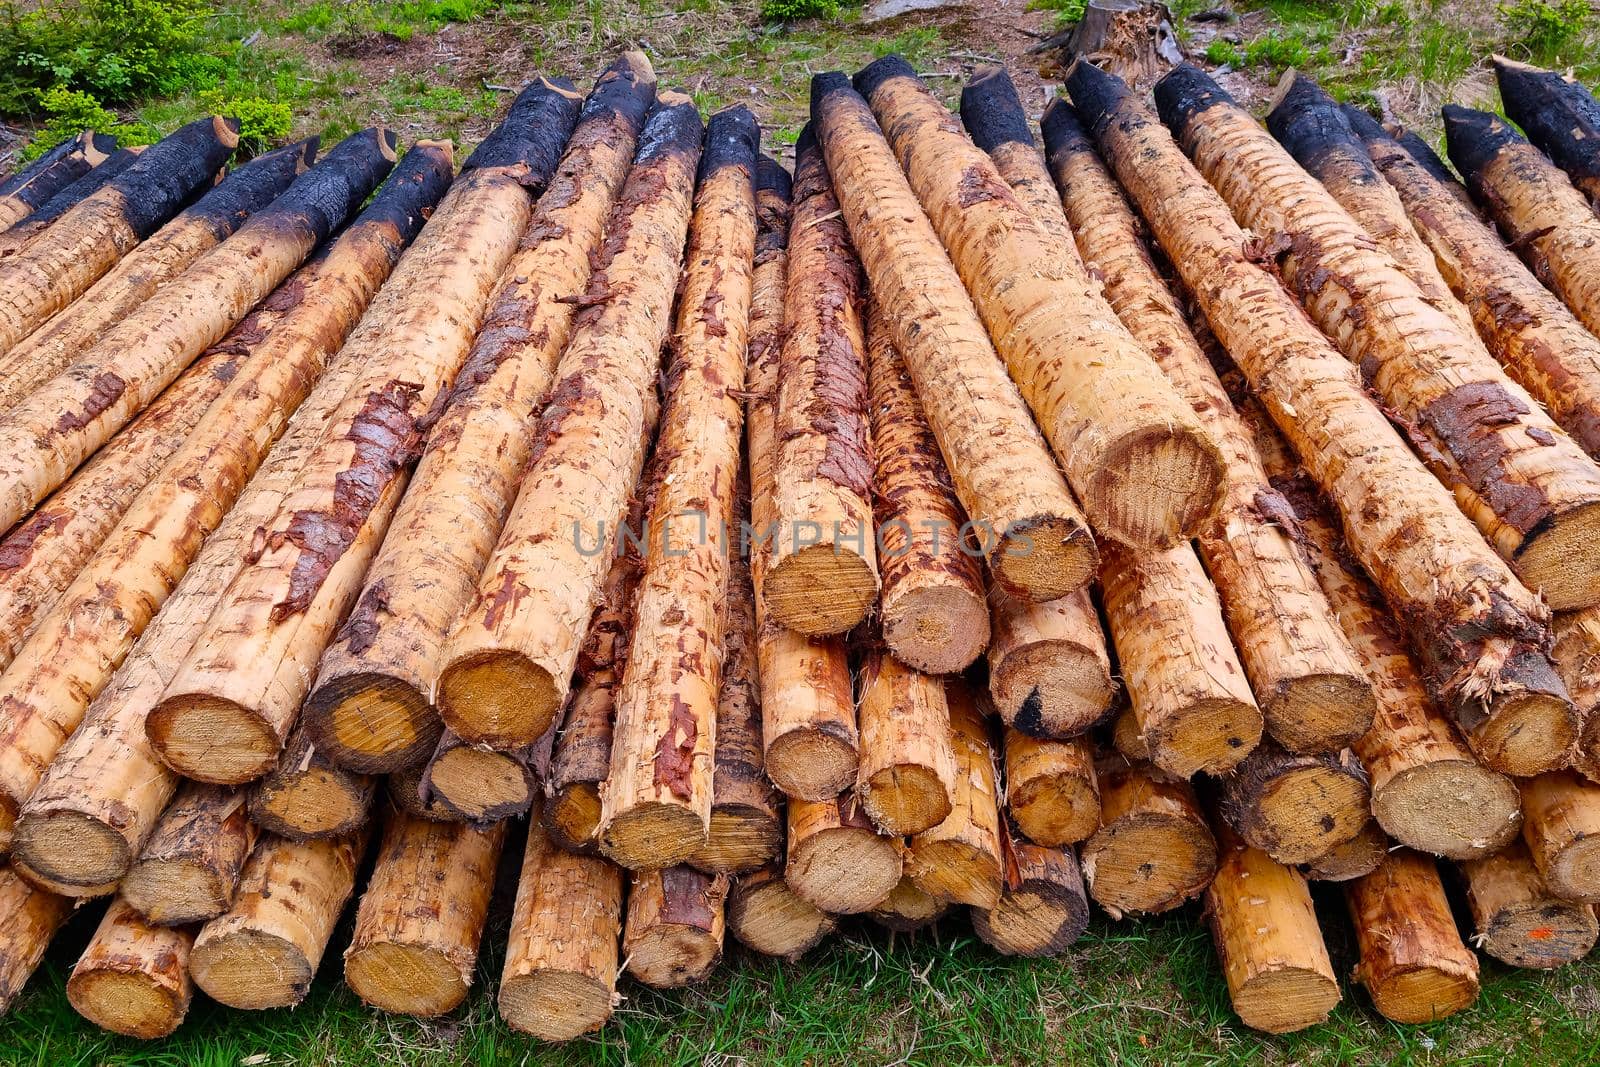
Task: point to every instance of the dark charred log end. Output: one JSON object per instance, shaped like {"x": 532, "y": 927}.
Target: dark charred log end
{"x": 534, "y": 133}
{"x": 771, "y": 176}
{"x": 733, "y": 139}
{"x": 1312, "y": 126}
{"x": 626, "y": 91}
{"x": 323, "y": 197}
{"x": 1421, "y": 151}
{"x": 673, "y": 128}
{"x": 171, "y": 170}
{"x": 416, "y": 184}
{"x": 58, "y": 168}
{"x": 1185, "y": 92}
{"x": 1473, "y": 138}
{"x": 78, "y": 191}
{"x": 1064, "y": 135}
{"x": 825, "y": 85}
{"x": 874, "y": 74}
{"x": 1096, "y": 94}
{"x": 992, "y": 111}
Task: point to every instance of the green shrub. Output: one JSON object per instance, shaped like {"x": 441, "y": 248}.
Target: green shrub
{"x": 1224, "y": 53}
{"x": 69, "y": 112}
{"x": 262, "y": 122}
{"x": 1067, "y": 12}
{"x": 789, "y": 10}
{"x": 1544, "y": 27}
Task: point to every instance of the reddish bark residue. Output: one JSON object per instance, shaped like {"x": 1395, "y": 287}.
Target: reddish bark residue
{"x": 980, "y": 183}
{"x": 361, "y": 629}
{"x": 570, "y": 395}
{"x": 105, "y": 390}
{"x": 674, "y": 758}
{"x": 1468, "y": 421}
{"x": 686, "y": 896}
{"x": 17, "y": 549}
{"x": 505, "y": 599}
{"x": 384, "y": 434}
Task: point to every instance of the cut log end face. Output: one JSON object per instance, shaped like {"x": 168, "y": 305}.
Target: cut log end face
{"x": 1149, "y": 862}
{"x": 1423, "y": 994}
{"x": 572, "y": 816}
{"x": 1043, "y": 559}
{"x": 909, "y": 908}
{"x": 72, "y": 850}
{"x": 742, "y": 838}
{"x": 1213, "y": 736}
{"x": 126, "y": 1002}
{"x": 937, "y": 629}
{"x": 905, "y": 799}
{"x": 1052, "y": 689}
{"x": 317, "y": 802}
{"x": 499, "y": 698}
{"x": 251, "y": 969}
{"x": 1574, "y": 872}
{"x": 653, "y": 835}
{"x": 1156, "y": 487}
{"x": 372, "y": 723}
{"x": 1320, "y": 712}
{"x": 1057, "y": 809}
{"x": 1284, "y": 1000}
{"x": 811, "y": 764}
{"x": 1355, "y": 858}
{"x": 555, "y": 1005}
{"x": 211, "y": 739}
{"x": 408, "y": 979}
{"x": 1449, "y": 808}
{"x": 1528, "y": 733}
{"x": 821, "y": 589}
{"x": 845, "y": 870}
{"x": 1540, "y": 933}
{"x": 480, "y": 786}
{"x": 1041, "y": 915}
{"x": 767, "y": 916}
{"x": 176, "y": 892}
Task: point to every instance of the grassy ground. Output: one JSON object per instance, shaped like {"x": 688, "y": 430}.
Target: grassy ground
{"x": 1145, "y": 993}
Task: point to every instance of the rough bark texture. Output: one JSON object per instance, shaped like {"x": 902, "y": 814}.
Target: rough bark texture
{"x": 29, "y": 188}
{"x": 308, "y": 795}
{"x": 107, "y": 786}
{"x": 1576, "y": 655}
{"x": 560, "y": 976}
{"x": 674, "y": 928}
{"x": 1153, "y": 850}
{"x": 1558, "y": 114}
{"x": 1266, "y": 935}
{"x": 1049, "y": 670}
{"x": 835, "y": 860}
{"x": 58, "y": 343}
{"x": 1190, "y": 695}
{"x": 1466, "y": 609}
{"x": 58, "y": 265}
{"x": 508, "y": 663}
{"x": 1295, "y": 808}
{"x": 1428, "y": 789}
{"x": 264, "y": 951}
{"x": 959, "y": 860}
{"x": 1561, "y": 826}
{"x": 766, "y": 916}
{"x": 655, "y": 807}
{"x": 1029, "y": 529}
{"x": 406, "y": 792}
{"x": 1528, "y": 486}
{"x": 582, "y": 760}
{"x": 808, "y": 714}
{"x": 133, "y": 978}
{"x": 1519, "y": 921}
{"x": 188, "y": 871}
{"x": 30, "y": 917}
{"x": 371, "y": 705}
{"x": 1042, "y": 908}
{"x": 415, "y": 944}
{"x": 234, "y": 699}
{"x": 1051, "y": 791}
{"x": 1136, "y": 455}
{"x": 1413, "y": 963}
{"x": 822, "y": 577}
{"x": 1304, "y": 675}
{"x": 907, "y": 781}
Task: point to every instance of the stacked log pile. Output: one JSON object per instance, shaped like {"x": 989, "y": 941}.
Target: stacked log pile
{"x": 1151, "y": 508}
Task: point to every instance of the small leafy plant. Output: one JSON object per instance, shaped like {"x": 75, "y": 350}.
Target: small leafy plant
{"x": 790, "y": 10}
{"x": 1542, "y": 26}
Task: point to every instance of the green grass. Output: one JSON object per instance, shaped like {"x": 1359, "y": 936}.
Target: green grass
{"x": 1131, "y": 993}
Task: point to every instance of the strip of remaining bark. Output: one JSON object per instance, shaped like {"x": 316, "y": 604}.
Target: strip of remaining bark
{"x": 101, "y": 796}
{"x": 1153, "y": 850}
{"x": 909, "y": 908}
{"x": 66, "y": 418}
{"x": 1029, "y": 528}
{"x": 560, "y": 976}
{"x": 1519, "y": 921}
{"x": 822, "y": 577}
{"x": 133, "y": 978}
{"x": 165, "y": 254}
{"x": 1042, "y": 908}
{"x": 1265, "y": 930}
{"x": 406, "y": 793}
{"x": 370, "y": 708}
{"x": 415, "y": 944}
{"x": 1190, "y": 695}
{"x": 766, "y": 916}
{"x": 27, "y": 189}
{"x": 308, "y": 795}
{"x": 1312, "y": 126}
{"x": 1049, "y": 670}
{"x": 1145, "y": 469}
{"x": 746, "y": 826}
{"x": 1576, "y": 655}
{"x": 932, "y": 608}
{"x": 484, "y": 785}
{"x": 69, "y": 659}
{"x": 1310, "y": 688}
{"x": 59, "y": 264}
{"x": 960, "y": 860}
{"x": 507, "y": 665}
{"x": 655, "y": 806}
{"x": 1561, "y": 826}
{"x": 1428, "y": 790}
{"x": 253, "y": 667}
{"x": 1529, "y": 487}
{"x": 29, "y": 918}
{"x": 264, "y": 951}
{"x": 907, "y": 781}
{"x": 1355, "y": 858}
{"x": 835, "y": 859}
{"x": 582, "y": 759}
{"x": 1558, "y": 114}
{"x": 1051, "y": 791}
{"x": 674, "y": 928}
{"x": 1464, "y": 606}
{"x": 39, "y": 559}
{"x": 1527, "y": 327}
{"x": 808, "y": 713}
{"x": 188, "y": 871}
{"x": 19, "y": 236}
{"x": 1413, "y": 962}
{"x": 1295, "y": 808}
